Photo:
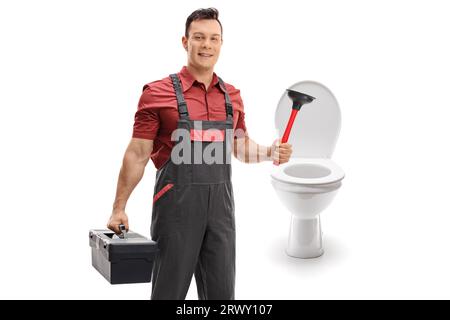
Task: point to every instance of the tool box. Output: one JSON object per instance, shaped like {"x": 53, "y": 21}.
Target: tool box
{"x": 127, "y": 258}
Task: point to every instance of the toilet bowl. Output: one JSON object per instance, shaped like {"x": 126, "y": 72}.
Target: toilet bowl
{"x": 308, "y": 183}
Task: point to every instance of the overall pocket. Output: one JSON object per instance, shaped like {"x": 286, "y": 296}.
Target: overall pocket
{"x": 161, "y": 192}
{"x": 165, "y": 218}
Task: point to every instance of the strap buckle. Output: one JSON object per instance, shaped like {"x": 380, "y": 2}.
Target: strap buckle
{"x": 182, "y": 108}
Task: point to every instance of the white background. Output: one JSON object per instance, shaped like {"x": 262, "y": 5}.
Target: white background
{"x": 71, "y": 74}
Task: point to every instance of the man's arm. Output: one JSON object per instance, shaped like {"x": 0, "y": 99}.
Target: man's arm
{"x": 248, "y": 151}
{"x": 133, "y": 166}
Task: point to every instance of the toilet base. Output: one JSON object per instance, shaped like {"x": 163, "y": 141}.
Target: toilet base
{"x": 305, "y": 238}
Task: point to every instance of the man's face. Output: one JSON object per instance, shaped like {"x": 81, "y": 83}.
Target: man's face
{"x": 203, "y": 44}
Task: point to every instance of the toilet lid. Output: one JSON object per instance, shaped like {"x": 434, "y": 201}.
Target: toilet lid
{"x": 317, "y": 125}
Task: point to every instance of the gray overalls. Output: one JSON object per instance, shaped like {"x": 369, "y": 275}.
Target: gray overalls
{"x": 193, "y": 213}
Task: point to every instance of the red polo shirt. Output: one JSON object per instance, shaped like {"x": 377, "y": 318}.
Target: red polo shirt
{"x": 157, "y": 113}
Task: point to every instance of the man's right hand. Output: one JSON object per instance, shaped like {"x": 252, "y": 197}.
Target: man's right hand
{"x": 117, "y": 218}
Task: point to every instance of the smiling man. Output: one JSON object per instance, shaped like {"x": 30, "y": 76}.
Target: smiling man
{"x": 193, "y": 205}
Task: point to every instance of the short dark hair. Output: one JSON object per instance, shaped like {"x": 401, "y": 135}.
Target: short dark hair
{"x": 202, "y": 14}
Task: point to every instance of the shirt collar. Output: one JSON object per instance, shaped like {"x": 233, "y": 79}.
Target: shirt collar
{"x": 188, "y": 80}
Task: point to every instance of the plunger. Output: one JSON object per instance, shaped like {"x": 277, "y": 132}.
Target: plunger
{"x": 298, "y": 100}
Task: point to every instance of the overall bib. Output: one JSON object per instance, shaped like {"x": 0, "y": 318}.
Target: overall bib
{"x": 193, "y": 211}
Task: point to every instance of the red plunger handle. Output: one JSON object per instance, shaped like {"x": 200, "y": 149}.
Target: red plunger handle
{"x": 289, "y": 126}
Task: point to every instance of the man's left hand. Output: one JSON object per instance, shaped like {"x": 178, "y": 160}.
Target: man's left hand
{"x": 281, "y": 152}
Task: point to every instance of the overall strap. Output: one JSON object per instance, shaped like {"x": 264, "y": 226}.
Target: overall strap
{"x": 182, "y": 106}
{"x": 228, "y": 105}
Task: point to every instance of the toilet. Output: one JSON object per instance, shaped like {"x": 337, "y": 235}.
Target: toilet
{"x": 309, "y": 181}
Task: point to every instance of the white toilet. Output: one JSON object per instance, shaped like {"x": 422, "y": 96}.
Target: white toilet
{"x": 307, "y": 184}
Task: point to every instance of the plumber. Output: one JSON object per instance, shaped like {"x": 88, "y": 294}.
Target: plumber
{"x": 193, "y": 206}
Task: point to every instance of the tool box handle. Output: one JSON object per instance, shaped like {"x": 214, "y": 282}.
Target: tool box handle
{"x": 123, "y": 230}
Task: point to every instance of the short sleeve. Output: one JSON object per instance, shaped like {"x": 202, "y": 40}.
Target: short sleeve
{"x": 146, "y": 119}
{"x": 238, "y": 105}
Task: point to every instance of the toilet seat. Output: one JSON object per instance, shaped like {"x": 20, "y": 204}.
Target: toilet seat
{"x": 309, "y": 171}
{"x": 313, "y": 137}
